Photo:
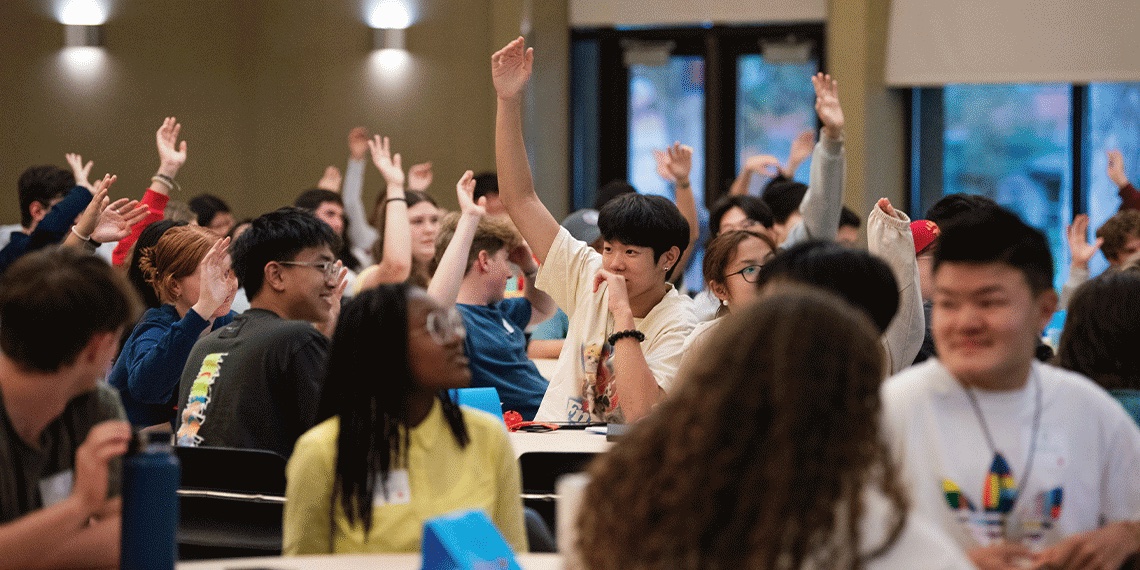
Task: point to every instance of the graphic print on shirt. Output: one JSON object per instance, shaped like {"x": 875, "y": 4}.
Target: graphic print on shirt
{"x": 997, "y": 521}
{"x": 599, "y": 401}
{"x": 194, "y": 415}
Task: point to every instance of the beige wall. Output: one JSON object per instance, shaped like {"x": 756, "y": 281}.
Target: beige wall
{"x": 266, "y": 92}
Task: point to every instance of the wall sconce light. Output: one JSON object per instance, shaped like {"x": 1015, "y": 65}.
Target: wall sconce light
{"x": 389, "y": 20}
{"x": 82, "y": 36}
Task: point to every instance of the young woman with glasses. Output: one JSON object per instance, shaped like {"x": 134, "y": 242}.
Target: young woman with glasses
{"x": 732, "y": 265}
{"x": 394, "y": 450}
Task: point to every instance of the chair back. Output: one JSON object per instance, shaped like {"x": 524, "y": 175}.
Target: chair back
{"x": 485, "y": 399}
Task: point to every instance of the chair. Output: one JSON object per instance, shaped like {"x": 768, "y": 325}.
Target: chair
{"x": 230, "y": 502}
{"x": 540, "y": 471}
{"x": 484, "y": 399}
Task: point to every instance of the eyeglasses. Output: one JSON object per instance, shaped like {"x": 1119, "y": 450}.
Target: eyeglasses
{"x": 750, "y": 274}
{"x": 445, "y": 325}
{"x": 328, "y": 268}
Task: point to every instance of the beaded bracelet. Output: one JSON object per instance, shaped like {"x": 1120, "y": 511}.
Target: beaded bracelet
{"x": 631, "y": 333}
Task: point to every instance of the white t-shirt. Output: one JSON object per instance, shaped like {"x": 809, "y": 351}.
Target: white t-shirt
{"x": 920, "y": 545}
{"x": 1086, "y": 467}
{"x": 581, "y": 390}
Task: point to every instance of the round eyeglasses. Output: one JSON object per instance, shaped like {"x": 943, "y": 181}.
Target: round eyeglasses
{"x": 328, "y": 268}
{"x": 750, "y": 274}
{"x": 445, "y": 325}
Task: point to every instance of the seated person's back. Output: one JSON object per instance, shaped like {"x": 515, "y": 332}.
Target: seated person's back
{"x": 255, "y": 383}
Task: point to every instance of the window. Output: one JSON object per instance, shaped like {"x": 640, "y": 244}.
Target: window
{"x": 1036, "y": 149}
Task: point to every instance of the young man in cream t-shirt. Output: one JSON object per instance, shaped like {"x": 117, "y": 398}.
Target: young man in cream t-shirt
{"x": 627, "y": 324}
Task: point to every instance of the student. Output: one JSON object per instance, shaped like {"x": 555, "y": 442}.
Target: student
{"x": 767, "y": 455}
{"x": 547, "y": 339}
{"x": 328, "y": 207}
{"x": 475, "y": 254}
{"x": 395, "y": 450}
{"x": 255, "y": 383}
{"x": 732, "y": 265}
{"x": 1020, "y": 462}
{"x": 388, "y": 254}
{"x": 50, "y": 200}
{"x": 60, "y": 430}
{"x": 212, "y": 213}
{"x": 627, "y": 324}
{"x": 1102, "y": 334}
{"x": 849, "y": 223}
{"x": 189, "y": 270}
{"x": 171, "y": 157}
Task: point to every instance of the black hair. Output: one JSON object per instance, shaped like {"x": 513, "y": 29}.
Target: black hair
{"x": 847, "y": 217}
{"x": 206, "y": 206}
{"x": 753, "y": 207}
{"x": 372, "y": 408}
{"x": 611, "y": 190}
{"x": 645, "y": 221}
{"x": 996, "y": 235}
{"x": 276, "y": 236}
{"x": 312, "y": 199}
{"x": 860, "y": 278}
{"x": 784, "y": 198}
{"x": 1101, "y": 331}
{"x": 954, "y": 204}
{"x": 486, "y": 183}
{"x": 42, "y": 184}
{"x": 54, "y": 300}
{"x": 148, "y": 238}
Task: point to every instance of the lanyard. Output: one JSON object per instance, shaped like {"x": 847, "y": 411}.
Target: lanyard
{"x": 1032, "y": 441}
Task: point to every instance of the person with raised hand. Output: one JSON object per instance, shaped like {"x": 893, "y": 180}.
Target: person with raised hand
{"x": 626, "y": 329}
{"x": 475, "y": 253}
{"x": 420, "y": 176}
{"x": 395, "y": 262}
{"x": 60, "y": 426}
{"x": 1129, "y": 196}
{"x": 103, "y": 221}
{"x": 812, "y": 212}
{"x": 48, "y": 208}
{"x": 190, "y": 273}
{"x": 330, "y": 180}
{"x": 889, "y": 237}
{"x": 171, "y": 157}
{"x": 762, "y": 164}
{"x": 674, "y": 165}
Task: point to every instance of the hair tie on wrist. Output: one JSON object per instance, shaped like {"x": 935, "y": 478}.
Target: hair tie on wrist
{"x": 631, "y": 333}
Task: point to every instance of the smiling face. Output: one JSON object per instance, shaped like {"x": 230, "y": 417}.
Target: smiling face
{"x": 424, "y": 221}
{"x": 637, "y": 265}
{"x": 309, "y": 293}
{"x": 435, "y": 365}
{"x": 986, "y": 321}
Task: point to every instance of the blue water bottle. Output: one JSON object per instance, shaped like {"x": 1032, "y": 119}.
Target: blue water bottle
{"x": 150, "y": 505}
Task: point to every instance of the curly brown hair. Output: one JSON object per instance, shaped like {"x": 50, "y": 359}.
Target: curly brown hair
{"x": 759, "y": 459}
{"x": 1116, "y": 231}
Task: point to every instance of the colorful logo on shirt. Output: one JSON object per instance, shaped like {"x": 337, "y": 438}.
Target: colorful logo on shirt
{"x": 194, "y": 415}
{"x": 599, "y": 393}
{"x": 996, "y": 521}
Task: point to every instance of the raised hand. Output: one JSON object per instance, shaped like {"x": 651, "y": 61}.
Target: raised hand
{"x": 104, "y": 442}
{"x": 765, "y": 164}
{"x": 216, "y": 284}
{"x": 389, "y": 165}
{"x": 511, "y": 69}
{"x": 334, "y": 309}
{"x": 357, "y": 143}
{"x": 884, "y": 204}
{"x": 465, "y": 192}
{"x": 116, "y": 219}
{"x": 1079, "y": 247}
{"x": 1116, "y": 168}
{"x": 523, "y": 257}
{"x": 81, "y": 171}
{"x": 89, "y": 218}
{"x": 827, "y": 105}
{"x": 680, "y": 162}
{"x": 419, "y": 176}
{"x": 171, "y": 154}
{"x": 331, "y": 179}
{"x": 802, "y": 146}
{"x": 661, "y": 157}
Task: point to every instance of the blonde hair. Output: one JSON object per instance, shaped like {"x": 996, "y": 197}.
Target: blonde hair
{"x": 176, "y": 255}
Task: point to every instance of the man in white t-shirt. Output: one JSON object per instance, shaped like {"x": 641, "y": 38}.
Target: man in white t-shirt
{"x": 1024, "y": 464}
{"x": 627, "y": 324}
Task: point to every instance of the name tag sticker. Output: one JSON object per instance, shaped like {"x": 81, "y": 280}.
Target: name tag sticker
{"x": 399, "y": 490}
{"x": 56, "y": 488}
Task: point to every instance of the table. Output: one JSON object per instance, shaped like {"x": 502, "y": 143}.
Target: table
{"x": 559, "y": 441}
{"x": 351, "y": 562}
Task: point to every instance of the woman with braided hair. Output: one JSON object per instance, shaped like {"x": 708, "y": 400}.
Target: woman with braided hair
{"x": 767, "y": 455}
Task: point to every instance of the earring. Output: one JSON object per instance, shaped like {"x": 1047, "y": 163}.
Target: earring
{"x": 724, "y": 302}
{"x": 666, "y": 268}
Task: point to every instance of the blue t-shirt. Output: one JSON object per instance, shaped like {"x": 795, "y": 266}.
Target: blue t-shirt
{"x": 496, "y": 347}
{"x": 554, "y": 328}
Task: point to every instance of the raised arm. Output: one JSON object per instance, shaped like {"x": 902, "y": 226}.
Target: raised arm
{"x": 823, "y": 202}
{"x": 419, "y": 176}
{"x": 678, "y": 161}
{"x": 801, "y": 149}
{"x": 1129, "y": 196}
{"x": 510, "y": 71}
{"x": 104, "y": 221}
{"x": 171, "y": 157}
{"x": 330, "y": 179}
{"x": 360, "y": 230}
{"x": 889, "y": 237}
{"x": 1080, "y": 253}
{"x": 396, "y": 263}
{"x": 448, "y": 278}
{"x": 765, "y": 164}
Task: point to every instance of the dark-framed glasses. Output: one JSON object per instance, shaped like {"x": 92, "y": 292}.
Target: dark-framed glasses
{"x": 750, "y": 273}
